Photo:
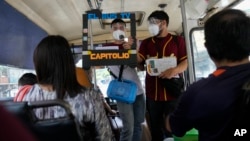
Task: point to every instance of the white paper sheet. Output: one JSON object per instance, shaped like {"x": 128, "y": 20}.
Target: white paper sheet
{"x": 155, "y": 65}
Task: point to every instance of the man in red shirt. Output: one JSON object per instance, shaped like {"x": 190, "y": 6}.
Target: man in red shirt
{"x": 161, "y": 45}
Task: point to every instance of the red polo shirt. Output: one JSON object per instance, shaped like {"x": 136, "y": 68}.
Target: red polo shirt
{"x": 169, "y": 46}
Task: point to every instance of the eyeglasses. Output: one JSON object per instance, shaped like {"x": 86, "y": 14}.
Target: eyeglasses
{"x": 153, "y": 20}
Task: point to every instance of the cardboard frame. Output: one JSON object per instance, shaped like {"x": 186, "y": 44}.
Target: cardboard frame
{"x": 91, "y": 57}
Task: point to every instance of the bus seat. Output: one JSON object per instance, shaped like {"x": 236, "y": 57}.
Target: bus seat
{"x": 20, "y": 110}
{"x": 6, "y": 99}
{"x": 63, "y": 129}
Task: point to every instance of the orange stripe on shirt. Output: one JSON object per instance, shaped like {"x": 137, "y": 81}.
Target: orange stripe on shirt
{"x": 141, "y": 56}
{"x": 183, "y": 58}
{"x": 218, "y": 72}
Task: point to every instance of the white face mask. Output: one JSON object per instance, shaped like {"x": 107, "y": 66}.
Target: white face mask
{"x": 153, "y": 29}
{"x": 119, "y": 35}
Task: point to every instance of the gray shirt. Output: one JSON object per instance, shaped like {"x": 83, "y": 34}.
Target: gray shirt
{"x": 129, "y": 74}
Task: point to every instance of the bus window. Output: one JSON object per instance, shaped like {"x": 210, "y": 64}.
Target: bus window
{"x": 202, "y": 64}
{"x": 8, "y": 80}
{"x": 243, "y": 5}
{"x": 102, "y": 78}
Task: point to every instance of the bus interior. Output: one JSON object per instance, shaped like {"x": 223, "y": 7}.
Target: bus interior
{"x": 25, "y": 22}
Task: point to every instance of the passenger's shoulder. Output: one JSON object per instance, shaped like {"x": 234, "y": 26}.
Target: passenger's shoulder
{"x": 35, "y": 93}
{"x": 147, "y": 39}
{"x": 89, "y": 93}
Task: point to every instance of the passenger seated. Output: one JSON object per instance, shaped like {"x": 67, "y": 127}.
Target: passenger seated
{"x": 27, "y": 79}
{"x": 56, "y": 75}
{"x": 211, "y": 105}
{"x": 25, "y": 82}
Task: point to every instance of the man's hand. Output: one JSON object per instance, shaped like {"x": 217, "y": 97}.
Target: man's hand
{"x": 128, "y": 44}
{"x": 169, "y": 73}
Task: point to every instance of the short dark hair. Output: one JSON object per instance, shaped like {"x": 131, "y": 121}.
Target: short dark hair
{"x": 159, "y": 14}
{"x": 27, "y": 79}
{"x": 227, "y": 35}
{"x": 54, "y": 65}
{"x": 117, "y": 21}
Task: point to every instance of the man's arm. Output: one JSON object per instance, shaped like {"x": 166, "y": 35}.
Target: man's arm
{"x": 127, "y": 45}
{"x": 139, "y": 58}
{"x": 180, "y": 68}
{"x": 140, "y": 64}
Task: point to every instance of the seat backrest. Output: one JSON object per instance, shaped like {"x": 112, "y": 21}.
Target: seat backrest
{"x": 6, "y": 99}
{"x": 20, "y": 110}
{"x": 62, "y": 129}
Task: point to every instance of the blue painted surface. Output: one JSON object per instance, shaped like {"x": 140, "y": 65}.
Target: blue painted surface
{"x": 18, "y": 37}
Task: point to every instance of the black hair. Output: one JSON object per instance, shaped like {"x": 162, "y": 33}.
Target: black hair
{"x": 227, "y": 35}
{"x": 54, "y": 65}
{"x": 159, "y": 14}
{"x": 117, "y": 21}
{"x": 27, "y": 79}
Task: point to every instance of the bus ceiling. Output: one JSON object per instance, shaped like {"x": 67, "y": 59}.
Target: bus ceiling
{"x": 65, "y": 17}
{"x": 25, "y": 22}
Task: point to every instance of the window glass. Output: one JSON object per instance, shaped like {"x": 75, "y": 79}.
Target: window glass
{"x": 203, "y": 65}
{"x": 8, "y": 80}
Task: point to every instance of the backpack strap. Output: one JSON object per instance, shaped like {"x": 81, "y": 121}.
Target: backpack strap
{"x": 111, "y": 73}
{"x": 120, "y": 73}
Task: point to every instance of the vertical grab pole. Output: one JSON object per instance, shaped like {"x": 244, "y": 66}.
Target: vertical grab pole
{"x": 187, "y": 40}
{"x": 92, "y": 69}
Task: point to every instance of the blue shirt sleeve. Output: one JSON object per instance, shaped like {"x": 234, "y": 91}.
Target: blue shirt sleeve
{"x": 179, "y": 120}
